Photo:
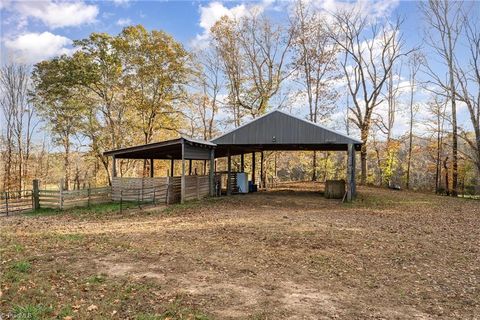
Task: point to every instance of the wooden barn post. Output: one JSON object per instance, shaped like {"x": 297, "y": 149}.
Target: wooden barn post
{"x": 242, "y": 163}
{"x": 212, "y": 173}
{"x": 253, "y": 167}
{"x": 172, "y": 167}
{"x": 114, "y": 167}
{"x": 182, "y": 199}
{"x": 151, "y": 168}
{"x": 229, "y": 171}
{"x": 350, "y": 172}
{"x": 354, "y": 183}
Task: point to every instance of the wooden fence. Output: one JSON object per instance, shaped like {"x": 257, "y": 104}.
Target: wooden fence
{"x": 16, "y": 201}
{"x": 196, "y": 187}
{"x": 61, "y": 199}
{"x": 158, "y": 189}
{"x": 141, "y": 190}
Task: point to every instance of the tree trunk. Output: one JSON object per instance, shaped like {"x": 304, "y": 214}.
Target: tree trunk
{"x": 363, "y": 155}
{"x": 67, "y": 162}
{"x": 447, "y": 182}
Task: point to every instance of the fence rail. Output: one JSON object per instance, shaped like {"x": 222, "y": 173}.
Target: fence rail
{"x": 15, "y": 201}
{"x": 27, "y": 200}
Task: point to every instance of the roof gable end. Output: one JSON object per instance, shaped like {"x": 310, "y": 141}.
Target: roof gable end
{"x": 278, "y": 127}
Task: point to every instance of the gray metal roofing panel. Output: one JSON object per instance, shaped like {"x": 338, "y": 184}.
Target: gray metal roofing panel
{"x": 283, "y": 128}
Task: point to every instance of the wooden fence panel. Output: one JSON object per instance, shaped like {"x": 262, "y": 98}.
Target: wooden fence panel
{"x": 196, "y": 187}
{"x": 56, "y": 199}
{"x": 15, "y": 201}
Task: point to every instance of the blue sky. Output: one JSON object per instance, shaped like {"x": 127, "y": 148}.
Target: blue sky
{"x": 39, "y": 29}
{"x": 182, "y": 19}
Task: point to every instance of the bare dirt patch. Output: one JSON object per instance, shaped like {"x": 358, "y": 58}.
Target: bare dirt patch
{"x": 288, "y": 253}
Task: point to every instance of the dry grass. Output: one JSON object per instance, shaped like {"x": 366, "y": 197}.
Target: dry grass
{"x": 274, "y": 255}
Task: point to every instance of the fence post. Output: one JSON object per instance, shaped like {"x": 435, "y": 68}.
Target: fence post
{"x": 36, "y": 195}
{"x": 61, "y": 194}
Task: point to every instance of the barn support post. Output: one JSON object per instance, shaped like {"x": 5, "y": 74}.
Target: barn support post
{"x": 354, "y": 182}
{"x": 242, "y": 163}
{"x": 229, "y": 172}
{"x": 151, "y": 168}
{"x": 350, "y": 172}
{"x": 182, "y": 199}
{"x": 212, "y": 173}
{"x": 190, "y": 167}
{"x": 172, "y": 167}
{"x": 114, "y": 167}
{"x": 253, "y": 167}
{"x": 262, "y": 168}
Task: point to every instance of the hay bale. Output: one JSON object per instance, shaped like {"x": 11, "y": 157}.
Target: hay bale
{"x": 334, "y": 189}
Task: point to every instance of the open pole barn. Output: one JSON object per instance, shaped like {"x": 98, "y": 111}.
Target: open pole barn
{"x": 274, "y": 131}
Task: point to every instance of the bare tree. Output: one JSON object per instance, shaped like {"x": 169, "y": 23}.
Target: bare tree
{"x": 18, "y": 114}
{"x": 437, "y": 108}
{"x": 207, "y": 101}
{"x": 370, "y": 51}
{"x": 468, "y": 79}
{"x": 315, "y": 56}
{"x": 253, "y": 52}
{"x": 445, "y": 23}
{"x": 415, "y": 62}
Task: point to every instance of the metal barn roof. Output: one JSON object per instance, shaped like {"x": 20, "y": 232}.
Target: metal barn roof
{"x": 168, "y": 149}
{"x": 278, "y": 130}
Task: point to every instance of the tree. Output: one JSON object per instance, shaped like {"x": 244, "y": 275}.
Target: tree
{"x": 253, "y": 52}
{"x": 370, "y": 51}
{"x": 445, "y": 23}
{"x": 96, "y": 67}
{"x": 415, "y": 62}
{"x": 155, "y": 71}
{"x": 437, "y": 108}
{"x": 60, "y": 105}
{"x": 315, "y": 59}
{"x": 468, "y": 80}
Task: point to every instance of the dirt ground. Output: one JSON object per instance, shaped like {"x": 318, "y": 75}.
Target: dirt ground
{"x": 284, "y": 254}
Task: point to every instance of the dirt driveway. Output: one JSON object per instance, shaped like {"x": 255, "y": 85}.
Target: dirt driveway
{"x": 275, "y": 255}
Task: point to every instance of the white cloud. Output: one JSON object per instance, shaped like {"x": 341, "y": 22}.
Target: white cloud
{"x": 34, "y": 47}
{"x": 4, "y": 4}
{"x": 121, "y": 2}
{"x": 374, "y": 9}
{"x": 124, "y": 22}
{"x": 215, "y": 10}
{"x": 56, "y": 14}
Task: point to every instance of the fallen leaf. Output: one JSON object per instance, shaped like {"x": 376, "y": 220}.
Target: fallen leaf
{"x": 92, "y": 307}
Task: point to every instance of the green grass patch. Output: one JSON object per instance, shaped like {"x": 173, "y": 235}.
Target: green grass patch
{"x": 65, "y": 311}
{"x": 98, "y": 278}
{"x": 22, "y": 266}
{"x": 96, "y": 209}
{"x": 31, "y": 312}
{"x": 18, "y": 248}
